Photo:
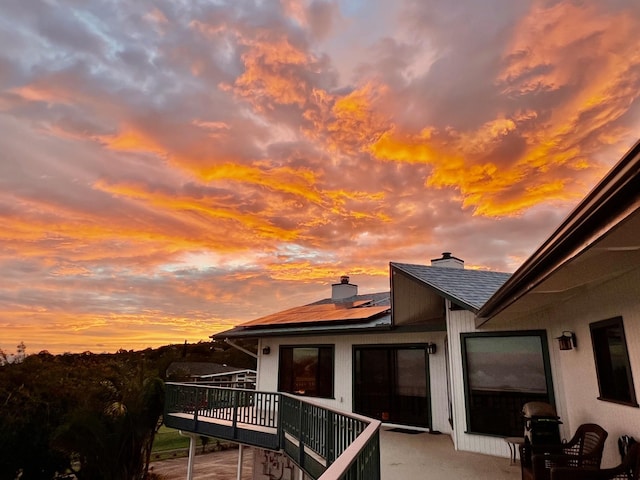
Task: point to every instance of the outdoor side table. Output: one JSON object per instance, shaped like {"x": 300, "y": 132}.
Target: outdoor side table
{"x": 514, "y": 445}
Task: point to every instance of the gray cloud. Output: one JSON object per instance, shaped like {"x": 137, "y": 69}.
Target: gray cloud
{"x": 168, "y": 169}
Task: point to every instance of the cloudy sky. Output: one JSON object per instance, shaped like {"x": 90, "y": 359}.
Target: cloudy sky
{"x": 170, "y": 168}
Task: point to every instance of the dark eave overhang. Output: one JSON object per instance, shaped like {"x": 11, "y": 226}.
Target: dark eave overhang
{"x": 609, "y": 203}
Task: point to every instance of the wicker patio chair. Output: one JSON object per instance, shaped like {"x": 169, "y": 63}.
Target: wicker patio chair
{"x": 629, "y": 469}
{"x": 583, "y": 450}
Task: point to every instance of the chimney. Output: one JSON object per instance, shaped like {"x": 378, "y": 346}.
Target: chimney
{"x": 447, "y": 261}
{"x": 342, "y": 290}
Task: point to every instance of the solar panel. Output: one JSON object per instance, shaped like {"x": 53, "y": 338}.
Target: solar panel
{"x": 326, "y": 312}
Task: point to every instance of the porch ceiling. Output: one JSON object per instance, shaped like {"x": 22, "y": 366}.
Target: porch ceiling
{"x": 613, "y": 255}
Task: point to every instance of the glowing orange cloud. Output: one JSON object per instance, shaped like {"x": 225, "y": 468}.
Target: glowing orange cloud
{"x": 299, "y": 182}
{"x": 130, "y": 139}
{"x": 307, "y": 271}
{"x": 209, "y": 208}
{"x": 269, "y": 71}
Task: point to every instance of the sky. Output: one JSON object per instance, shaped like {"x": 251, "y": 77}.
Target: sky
{"x": 171, "y": 168}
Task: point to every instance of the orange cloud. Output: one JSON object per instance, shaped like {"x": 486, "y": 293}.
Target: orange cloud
{"x": 205, "y": 210}
{"x": 270, "y": 72}
{"x": 312, "y": 272}
{"x": 130, "y": 139}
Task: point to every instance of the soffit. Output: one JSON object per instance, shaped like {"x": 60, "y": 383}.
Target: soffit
{"x": 613, "y": 255}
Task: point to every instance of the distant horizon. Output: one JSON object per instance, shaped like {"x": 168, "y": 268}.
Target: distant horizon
{"x": 172, "y": 170}
{"x": 12, "y": 354}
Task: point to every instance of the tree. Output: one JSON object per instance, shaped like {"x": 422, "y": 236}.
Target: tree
{"x": 21, "y": 352}
{"x": 98, "y": 409}
{"x": 113, "y": 433}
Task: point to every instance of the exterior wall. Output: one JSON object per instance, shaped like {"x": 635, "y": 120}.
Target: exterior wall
{"x": 574, "y": 371}
{"x": 620, "y": 297}
{"x": 462, "y": 321}
{"x": 343, "y": 370}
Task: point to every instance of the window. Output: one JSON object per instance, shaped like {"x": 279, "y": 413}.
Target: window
{"x": 612, "y": 362}
{"x": 306, "y": 370}
{"x": 502, "y": 372}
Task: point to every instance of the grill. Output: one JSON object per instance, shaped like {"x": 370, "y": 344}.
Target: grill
{"x": 541, "y": 424}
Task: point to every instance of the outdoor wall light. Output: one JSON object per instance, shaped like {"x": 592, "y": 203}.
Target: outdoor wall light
{"x": 431, "y": 348}
{"x": 567, "y": 340}
{"x": 266, "y": 350}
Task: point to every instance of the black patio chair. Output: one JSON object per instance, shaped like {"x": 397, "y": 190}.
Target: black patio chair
{"x": 583, "y": 450}
{"x": 629, "y": 469}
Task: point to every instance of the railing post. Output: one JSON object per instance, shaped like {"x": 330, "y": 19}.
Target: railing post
{"x": 195, "y": 403}
{"x": 301, "y": 440}
{"x": 330, "y": 439}
{"x": 234, "y": 424}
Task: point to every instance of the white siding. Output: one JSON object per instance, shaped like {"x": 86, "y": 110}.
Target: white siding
{"x": 619, "y": 297}
{"x": 343, "y": 391}
{"x": 462, "y": 321}
{"x": 574, "y": 372}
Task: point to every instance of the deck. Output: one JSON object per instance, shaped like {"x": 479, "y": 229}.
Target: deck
{"x": 326, "y": 444}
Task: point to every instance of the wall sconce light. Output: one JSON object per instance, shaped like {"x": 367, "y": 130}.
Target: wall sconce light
{"x": 431, "y": 348}
{"x": 567, "y": 340}
{"x": 266, "y": 350}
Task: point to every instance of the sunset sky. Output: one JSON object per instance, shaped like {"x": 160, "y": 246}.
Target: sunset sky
{"x": 170, "y": 168}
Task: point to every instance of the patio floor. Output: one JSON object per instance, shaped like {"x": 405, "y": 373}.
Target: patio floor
{"x": 426, "y": 456}
{"x": 403, "y": 456}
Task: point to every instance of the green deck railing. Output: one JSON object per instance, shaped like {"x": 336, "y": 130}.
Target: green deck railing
{"x": 326, "y": 444}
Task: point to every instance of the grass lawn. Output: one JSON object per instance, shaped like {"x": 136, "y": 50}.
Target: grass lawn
{"x": 170, "y": 439}
{"x": 168, "y": 443}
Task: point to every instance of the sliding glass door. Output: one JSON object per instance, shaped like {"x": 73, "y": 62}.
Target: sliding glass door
{"x": 391, "y": 384}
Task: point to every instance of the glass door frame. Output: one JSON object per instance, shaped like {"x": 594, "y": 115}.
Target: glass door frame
{"x": 393, "y": 374}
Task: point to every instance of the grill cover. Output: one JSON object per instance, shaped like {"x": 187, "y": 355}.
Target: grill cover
{"x": 541, "y": 425}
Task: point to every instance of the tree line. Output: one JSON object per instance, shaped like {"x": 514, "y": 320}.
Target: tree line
{"x": 89, "y": 416}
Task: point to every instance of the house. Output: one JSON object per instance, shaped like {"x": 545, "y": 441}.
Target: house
{"x": 234, "y": 379}
{"x": 382, "y": 355}
{"x": 459, "y": 351}
{"x": 209, "y": 372}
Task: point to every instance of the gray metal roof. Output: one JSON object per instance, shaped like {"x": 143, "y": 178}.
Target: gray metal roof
{"x": 468, "y": 288}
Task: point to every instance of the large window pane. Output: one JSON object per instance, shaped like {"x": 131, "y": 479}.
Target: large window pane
{"x": 306, "y": 370}
{"x": 503, "y": 371}
{"x": 612, "y": 361}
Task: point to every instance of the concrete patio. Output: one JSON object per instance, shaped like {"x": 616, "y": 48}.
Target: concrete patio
{"x": 404, "y": 456}
{"x": 425, "y": 456}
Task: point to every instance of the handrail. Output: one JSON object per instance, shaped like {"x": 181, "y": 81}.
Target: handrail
{"x": 341, "y": 466}
{"x": 326, "y": 443}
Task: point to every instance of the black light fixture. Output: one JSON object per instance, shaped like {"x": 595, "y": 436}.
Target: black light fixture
{"x": 567, "y": 340}
{"x": 431, "y": 348}
{"x": 266, "y": 350}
